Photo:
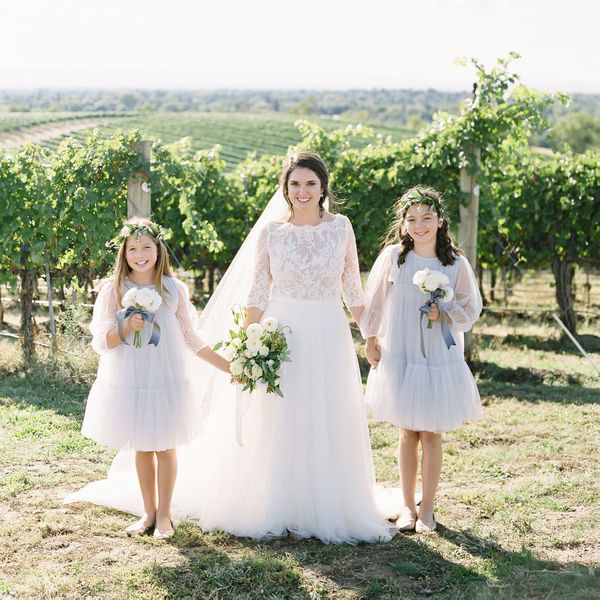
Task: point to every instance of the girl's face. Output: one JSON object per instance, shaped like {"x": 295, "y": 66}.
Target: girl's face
{"x": 304, "y": 189}
{"x": 141, "y": 254}
{"x": 422, "y": 224}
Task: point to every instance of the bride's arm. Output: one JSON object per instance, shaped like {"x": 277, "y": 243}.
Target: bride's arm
{"x": 260, "y": 290}
{"x": 253, "y": 315}
{"x": 351, "y": 282}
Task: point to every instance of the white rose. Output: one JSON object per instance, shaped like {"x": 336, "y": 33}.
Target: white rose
{"x": 254, "y": 331}
{"x": 236, "y": 367}
{"x": 419, "y": 277}
{"x": 434, "y": 280}
{"x": 444, "y": 279}
{"x": 156, "y": 302}
{"x": 129, "y": 298}
{"x": 271, "y": 324}
{"x": 229, "y": 352}
{"x": 253, "y": 344}
{"x": 256, "y": 371}
{"x": 144, "y": 297}
{"x": 263, "y": 351}
{"x": 250, "y": 353}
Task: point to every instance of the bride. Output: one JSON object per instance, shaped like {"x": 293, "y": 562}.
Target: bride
{"x": 265, "y": 466}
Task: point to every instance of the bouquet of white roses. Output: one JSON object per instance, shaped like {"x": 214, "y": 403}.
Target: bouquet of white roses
{"x": 257, "y": 352}
{"x": 141, "y": 301}
{"x": 435, "y": 285}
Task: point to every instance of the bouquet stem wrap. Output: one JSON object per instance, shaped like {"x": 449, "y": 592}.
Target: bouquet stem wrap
{"x": 446, "y": 333}
{"x": 148, "y": 316}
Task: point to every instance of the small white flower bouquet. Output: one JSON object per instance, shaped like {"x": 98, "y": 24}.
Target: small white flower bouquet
{"x": 435, "y": 285}
{"x": 145, "y": 302}
{"x": 256, "y": 352}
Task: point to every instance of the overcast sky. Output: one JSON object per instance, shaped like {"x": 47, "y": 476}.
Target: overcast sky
{"x": 333, "y": 44}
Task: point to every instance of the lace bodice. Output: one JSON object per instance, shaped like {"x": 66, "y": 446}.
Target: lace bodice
{"x": 307, "y": 262}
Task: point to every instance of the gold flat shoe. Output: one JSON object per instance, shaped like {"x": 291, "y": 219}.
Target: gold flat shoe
{"x": 139, "y": 528}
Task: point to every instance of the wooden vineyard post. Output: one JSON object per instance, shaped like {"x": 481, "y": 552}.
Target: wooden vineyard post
{"x": 138, "y": 190}
{"x": 469, "y": 220}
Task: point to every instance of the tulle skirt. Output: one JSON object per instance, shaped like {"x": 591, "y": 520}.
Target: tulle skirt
{"x": 305, "y": 466}
{"x": 423, "y": 397}
{"x": 146, "y": 398}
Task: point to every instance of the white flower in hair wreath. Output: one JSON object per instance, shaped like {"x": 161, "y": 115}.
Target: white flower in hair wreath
{"x": 137, "y": 230}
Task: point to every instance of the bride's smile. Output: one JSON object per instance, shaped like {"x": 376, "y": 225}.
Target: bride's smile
{"x": 304, "y": 189}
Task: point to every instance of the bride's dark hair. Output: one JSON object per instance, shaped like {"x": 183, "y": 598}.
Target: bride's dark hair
{"x": 312, "y": 161}
{"x": 421, "y": 194}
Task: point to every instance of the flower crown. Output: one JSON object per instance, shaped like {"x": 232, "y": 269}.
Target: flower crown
{"x": 416, "y": 196}
{"x": 137, "y": 230}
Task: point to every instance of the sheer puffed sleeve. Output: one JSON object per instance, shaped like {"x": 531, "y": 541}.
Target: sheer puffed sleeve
{"x": 103, "y": 317}
{"x": 376, "y": 291}
{"x": 260, "y": 290}
{"x": 351, "y": 282}
{"x": 187, "y": 316}
{"x": 465, "y": 307}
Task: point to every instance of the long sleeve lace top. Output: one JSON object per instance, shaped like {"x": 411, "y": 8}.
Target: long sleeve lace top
{"x": 307, "y": 262}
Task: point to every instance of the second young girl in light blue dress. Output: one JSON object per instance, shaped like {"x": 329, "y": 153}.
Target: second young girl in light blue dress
{"x": 424, "y": 394}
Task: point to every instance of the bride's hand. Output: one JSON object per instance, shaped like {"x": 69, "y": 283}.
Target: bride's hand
{"x": 373, "y": 351}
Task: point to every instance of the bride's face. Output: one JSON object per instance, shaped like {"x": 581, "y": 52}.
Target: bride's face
{"x": 304, "y": 189}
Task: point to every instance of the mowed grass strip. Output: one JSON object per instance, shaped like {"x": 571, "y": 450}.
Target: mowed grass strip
{"x": 518, "y": 504}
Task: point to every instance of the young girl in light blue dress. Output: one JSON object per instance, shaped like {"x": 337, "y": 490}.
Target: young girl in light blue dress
{"x": 417, "y": 382}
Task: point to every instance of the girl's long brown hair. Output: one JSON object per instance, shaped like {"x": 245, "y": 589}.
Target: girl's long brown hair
{"x": 445, "y": 250}
{"x": 122, "y": 269}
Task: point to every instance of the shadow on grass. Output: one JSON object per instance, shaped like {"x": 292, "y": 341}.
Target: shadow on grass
{"x": 490, "y": 371}
{"x": 222, "y": 566}
{"x": 521, "y": 575}
{"x": 532, "y": 385}
{"x": 590, "y": 342}
{"x": 291, "y": 568}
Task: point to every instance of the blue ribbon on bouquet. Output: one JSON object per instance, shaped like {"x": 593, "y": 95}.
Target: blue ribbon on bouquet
{"x": 148, "y": 316}
{"x": 446, "y": 333}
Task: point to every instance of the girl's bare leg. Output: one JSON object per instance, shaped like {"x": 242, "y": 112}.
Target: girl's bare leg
{"x": 167, "y": 474}
{"x": 146, "y": 472}
{"x": 409, "y": 462}
{"x": 431, "y": 466}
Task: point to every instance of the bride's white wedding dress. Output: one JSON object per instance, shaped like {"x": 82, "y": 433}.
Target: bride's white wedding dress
{"x": 306, "y": 465}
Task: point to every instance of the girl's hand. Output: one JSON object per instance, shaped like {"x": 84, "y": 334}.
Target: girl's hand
{"x": 434, "y": 313}
{"x": 373, "y": 351}
{"x": 134, "y": 323}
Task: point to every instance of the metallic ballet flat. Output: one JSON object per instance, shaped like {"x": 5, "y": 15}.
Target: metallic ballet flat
{"x": 406, "y": 521}
{"x": 422, "y": 527}
{"x": 139, "y": 528}
{"x": 164, "y": 535}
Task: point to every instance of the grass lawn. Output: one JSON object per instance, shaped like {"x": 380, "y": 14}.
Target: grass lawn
{"x": 518, "y": 506}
